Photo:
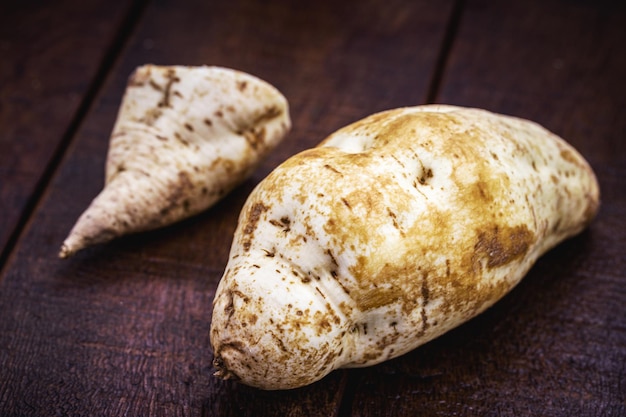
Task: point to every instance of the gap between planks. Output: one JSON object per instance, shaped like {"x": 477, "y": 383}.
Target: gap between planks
{"x": 444, "y": 51}
{"x": 128, "y": 24}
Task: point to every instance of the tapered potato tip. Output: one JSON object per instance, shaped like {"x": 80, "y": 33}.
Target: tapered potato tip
{"x": 65, "y": 251}
{"x": 99, "y": 223}
{"x": 184, "y": 137}
{"x": 71, "y": 245}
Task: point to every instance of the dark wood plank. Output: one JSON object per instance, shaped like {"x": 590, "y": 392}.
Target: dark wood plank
{"x": 122, "y": 329}
{"x": 51, "y": 54}
{"x": 556, "y": 345}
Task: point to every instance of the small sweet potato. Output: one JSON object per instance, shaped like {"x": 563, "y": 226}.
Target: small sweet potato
{"x": 184, "y": 137}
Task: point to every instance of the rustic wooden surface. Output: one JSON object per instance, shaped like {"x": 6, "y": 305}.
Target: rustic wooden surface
{"x": 122, "y": 329}
{"x": 53, "y": 57}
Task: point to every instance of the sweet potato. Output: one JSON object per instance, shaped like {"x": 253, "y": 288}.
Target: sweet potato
{"x": 392, "y": 231}
{"x": 183, "y": 138}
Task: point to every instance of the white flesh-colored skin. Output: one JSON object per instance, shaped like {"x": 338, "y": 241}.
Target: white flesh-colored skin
{"x": 183, "y": 138}
{"x": 393, "y": 231}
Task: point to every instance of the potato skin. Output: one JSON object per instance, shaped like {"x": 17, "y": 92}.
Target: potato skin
{"x": 392, "y": 231}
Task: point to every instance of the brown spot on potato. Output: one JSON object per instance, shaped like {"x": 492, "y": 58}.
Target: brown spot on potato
{"x": 151, "y": 116}
{"x": 279, "y": 342}
{"x": 377, "y": 297}
{"x": 171, "y": 79}
{"x": 569, "y": 156}
{"x": 181, "y": 139}
{"x": 323, "y": 326}
{"x": 255, "y": 137}
{"x": 332, "y": 257}
{"x": 482, "y": 191}
{"x": 343, "y": 287}
{"x": 177, "y": 200}
{"x": 500, "y": 245}
{"x": 320, "y": 292}
{"x": 333, "y": 169}
{"x": 283, "y": 223}
{"x": 394, "y": 219}
{"x": 230, "y": 306}
{"x": 427, "y": 173}
{"x": 251, "y": 223}
{"x": 253, "y": 318}
{"x": 154, "y": 85}
{"x": 253, "y": 217}
{"x": 268, "y": 114}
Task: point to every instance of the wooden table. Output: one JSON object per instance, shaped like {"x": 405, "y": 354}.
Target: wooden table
{"x": 123, "y": 329}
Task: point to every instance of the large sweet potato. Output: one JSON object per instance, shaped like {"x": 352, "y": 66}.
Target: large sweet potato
{"x": 393, "y": 231}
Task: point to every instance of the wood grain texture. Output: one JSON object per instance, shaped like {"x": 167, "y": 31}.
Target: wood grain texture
{"x": 556, "y": 345}
{"x": 122, "y": 329}
{"x": 51, "y": 54}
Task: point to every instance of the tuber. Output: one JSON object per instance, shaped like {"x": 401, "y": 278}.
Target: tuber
{"x": 183, "y": 138}
{"x": 394, "y": 230}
